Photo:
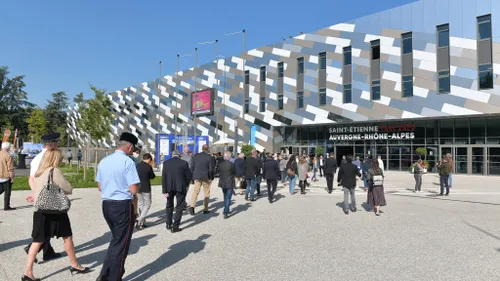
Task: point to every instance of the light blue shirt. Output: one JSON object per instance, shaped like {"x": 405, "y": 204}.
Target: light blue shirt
{"x": 116, "y": 173}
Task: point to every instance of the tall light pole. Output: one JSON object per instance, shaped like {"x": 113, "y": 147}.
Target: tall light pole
{"x": 191, "y": 97}
{"x": 159, "y": 84}
{"x": 216, "y": 42}
{"x": 224, "y": 90}
{"x": 177, "y": 93}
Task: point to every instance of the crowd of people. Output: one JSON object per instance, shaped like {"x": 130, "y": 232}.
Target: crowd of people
{"x": 126, "y": 190}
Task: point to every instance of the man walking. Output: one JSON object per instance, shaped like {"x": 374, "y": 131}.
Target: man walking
{"x": 176, "y": 177}
{"x": 240, "y": 171}
{"x": 347, "y": 178}
{"x": 50, "y": 140}
{"x": 203, "y": 171}
{"x": 380, "y": 163}
{"x": 321, "y": 166}
{"x": 146, "y": 174}
{"x": 330, "y": 169}
{"x": 444, "y": 175}
{"x": 227, "y": 172}
{"x": 6, "y": 175}
{"x": 252, "y": 171}
{"x": 272, "y": 174}
{"x": 118, "y": 181}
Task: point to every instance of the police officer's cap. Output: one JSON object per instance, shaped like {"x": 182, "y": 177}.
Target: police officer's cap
{"x": 51, "y": 137}
{"x": 128, "y": 137}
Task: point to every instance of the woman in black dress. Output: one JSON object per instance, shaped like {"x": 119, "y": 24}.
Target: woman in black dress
{"x": 51, "y": 225}
{"x": 375, "y": 178}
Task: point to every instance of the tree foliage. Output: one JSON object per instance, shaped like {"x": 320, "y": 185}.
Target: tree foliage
{"x": 96, "y": 117}
{"x": 319, "y": 150}
{"x": 247, "y": 149}
{"x": 37, "y": 124}
{"x": 79, "y": 98}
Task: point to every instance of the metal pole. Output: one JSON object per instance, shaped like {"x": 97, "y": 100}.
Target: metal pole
{"x": 195, "y": 89}
{"x": 235, "y": 137}
{"x": 217, "y": 95}
{"x": 176, "y": 93}
{"x": 224, "y": 101}
{"x": 159, "y": 89}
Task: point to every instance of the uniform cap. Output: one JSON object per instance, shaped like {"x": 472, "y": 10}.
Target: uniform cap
{"x": 51, "y": 137}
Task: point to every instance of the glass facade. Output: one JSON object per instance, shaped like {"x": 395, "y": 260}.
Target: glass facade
{"x": 474, "y": 141}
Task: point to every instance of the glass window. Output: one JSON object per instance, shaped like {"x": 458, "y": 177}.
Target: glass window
{"x": 444, "y": 82}
{"x": 376, "y": 90}
{"x": 347, "y": 93}
{"x": 477, "y": 130}
{"x": 300, "y": 99}
{"x": 443, "y": 35}
{"x": 322, "y": 96}
{"x": 407, "y": 43}
{"x": 322, "y": 61}
{"x": 262, "y": 104}
{"x": 247, "y": 106}
{"x": 462, "y": 131}
{"x": 247, "y": 77}
{"x": 407, "y": 85}
{"x": 280, "y": 102}
{"x": 347, "y": 56}
{"x": 280, "y": 70}
{"x": 446, "y": 129}
{"x": 300, "y": 65}
{"x": 486, "y": 76}
{"x": 375, "y": 49}
{"x": 484, "y": 27}
{"x": 262, "y": 74}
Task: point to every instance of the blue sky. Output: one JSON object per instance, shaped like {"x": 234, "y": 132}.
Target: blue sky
{"x": 63, "y": 45}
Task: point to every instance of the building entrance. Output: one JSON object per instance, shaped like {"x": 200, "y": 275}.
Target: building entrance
{"x": 341, "y": 150}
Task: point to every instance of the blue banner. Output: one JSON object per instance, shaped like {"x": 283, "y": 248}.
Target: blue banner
{"x": 253, "y": 130}
{"x": 165, "y": 143}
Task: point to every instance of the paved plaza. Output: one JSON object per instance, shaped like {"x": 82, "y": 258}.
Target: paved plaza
{"x": 299, "y": 237}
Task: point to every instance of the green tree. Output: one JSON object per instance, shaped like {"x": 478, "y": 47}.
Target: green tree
{"x": 319, "y": 150}
{"x": 79, "y": 98}
{"x": 55, "y": 113}
{"x": 37, "y": 124}
{"x": 14, "y": 105}
{"x": 247, "y": 149}
{"x": 96, "y": 116}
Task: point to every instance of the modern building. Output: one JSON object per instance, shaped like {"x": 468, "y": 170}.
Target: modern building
{"x": 420, "y": 75}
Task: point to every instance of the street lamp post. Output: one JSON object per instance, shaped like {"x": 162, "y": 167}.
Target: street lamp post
{"x": 176, "y": 94}
{"x": 216, "y": 42}
{"x": 195, "y": 89}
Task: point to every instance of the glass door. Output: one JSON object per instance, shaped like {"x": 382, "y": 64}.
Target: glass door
{"x": 478, "y": 161}
{"x": 461, "y": 159}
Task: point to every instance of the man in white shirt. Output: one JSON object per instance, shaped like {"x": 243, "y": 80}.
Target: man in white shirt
{"x": 321, "y": 165}
{"x": 380, "y": 163}
{"x": 50, "y": 140}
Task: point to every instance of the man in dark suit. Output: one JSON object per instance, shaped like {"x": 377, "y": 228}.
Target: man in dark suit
{"x": 272, "y": 174}
{"x": 252, "y": 171}
{"x": 240, "y": 171}
{"x": 330, "y": 168}
{"x": 146, "y": 173}
{"x": 347, "y": 179}
{"x": 227, "y": 172}
{"x": 203, "y": 170}
{"x": 176, "y": 177}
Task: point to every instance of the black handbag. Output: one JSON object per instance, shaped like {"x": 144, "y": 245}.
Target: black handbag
{"x": 52, "y": 199}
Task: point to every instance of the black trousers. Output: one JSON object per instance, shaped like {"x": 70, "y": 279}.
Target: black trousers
{"x": 271, "y": 188}
{"x": 329, "y": 182}
{"x": 120, "y": 217}
{"x": 6, "y": 187}
{"x": 46, "y": 247}
{"x": 179, "y": 208}
{"x": 321, "y": 171}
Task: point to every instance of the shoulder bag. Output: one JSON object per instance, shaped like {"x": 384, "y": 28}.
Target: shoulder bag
{"x": 52, "y": 199}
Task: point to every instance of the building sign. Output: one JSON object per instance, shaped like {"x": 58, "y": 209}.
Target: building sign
{"x": 382, "y": 132}
{"x": 202, "y": 102}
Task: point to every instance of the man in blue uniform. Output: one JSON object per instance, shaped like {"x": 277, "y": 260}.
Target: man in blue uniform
{"x": 118, "y": 181}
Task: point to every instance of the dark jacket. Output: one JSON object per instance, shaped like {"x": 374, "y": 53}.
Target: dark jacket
{"x": 227, "y": 172}
{"x": 271, "y": 170}
{"x": 330, "y": 166}
{"x": 176, "y": 175}
{"x": 146, "y": 173}
{"x": 445, "y": 169}
{"x": 366, "y": 166}
{"x": 240, "y": 167}
{"x": 252, "y": 168}
{"x": 347, "y": 175}
{"x": 292, "y": 165}
{"x": 203, "y": 167}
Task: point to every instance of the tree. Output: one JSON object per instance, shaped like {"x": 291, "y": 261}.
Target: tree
{"x": 14, "y": 105}
{"x": 79, "y": 98}
{"x": 96, "y": 116}
{"x": 37, "y": 125}
{"x": 319, "y": 150}
{"x": 247, "y": 149}
{"x": 422, "y": 151}
{"x": 55, "y": 113}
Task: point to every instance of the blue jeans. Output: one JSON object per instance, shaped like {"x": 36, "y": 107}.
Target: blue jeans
{"x": 443, "y": 182}
{"x": 228, "y": 194}
{"x": 292, "y": 180}
{"x": 450, "y": 181}
{"x": 250, "y": 188}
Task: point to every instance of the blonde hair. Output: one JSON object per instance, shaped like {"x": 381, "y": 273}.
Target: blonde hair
{"x": 51, "y": 159}
{"x": 302, "y": 160}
